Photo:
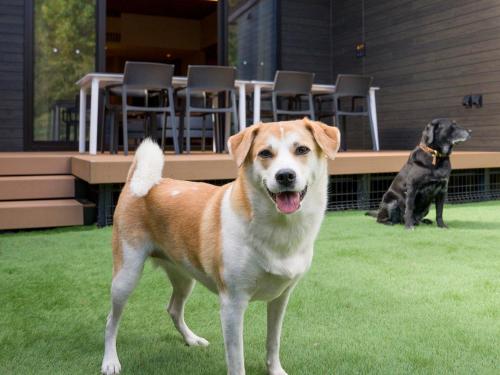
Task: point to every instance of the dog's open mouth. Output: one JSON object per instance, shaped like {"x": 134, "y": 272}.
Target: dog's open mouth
{"x": 287, "y": 202}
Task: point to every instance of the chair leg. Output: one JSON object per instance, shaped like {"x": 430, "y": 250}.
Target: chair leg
{"x": 163, "y": 126}
{"x": 112, "y": 130}
{"x": 175, "y": 132}
{"x": 125, "y": 131}
{"x": 235, "y": 114}
{"x": 275, "y": 107}
{"x": 102, "y": 132}
{"x": 188, "y": 124}
{"x": 171, "y": 105}
{"x": 180, "y": 136}
{"x": 203, "y": 129}
{"x": 343, "y": 127}
{"x": 339, "y": 124}
{"x": 311, "y": 107}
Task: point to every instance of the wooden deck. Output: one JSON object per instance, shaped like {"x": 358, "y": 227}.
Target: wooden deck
{"x": 39, "y": 189}
{"x": 101, "y": 169}
{"x": 106, "y": 168}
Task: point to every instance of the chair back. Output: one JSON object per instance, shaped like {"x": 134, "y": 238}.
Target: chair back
{"x": 211, "y": 78}
{"x": 353, "y": 85}
{"x": 293, "y": 83}
{"x": 145, "y": 75}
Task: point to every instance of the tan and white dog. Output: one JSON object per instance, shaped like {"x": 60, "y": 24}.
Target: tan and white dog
{"x": 251, "y": 239}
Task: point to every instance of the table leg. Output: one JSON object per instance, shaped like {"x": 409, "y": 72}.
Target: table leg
{"x": 243, "y": 107}
{"x": 58, "y": 123}
{"x": 373, "y": 112}
{"x": 83, "y": 112}
{"x": 256, "y": 104}
{"x": 94, "y": 111}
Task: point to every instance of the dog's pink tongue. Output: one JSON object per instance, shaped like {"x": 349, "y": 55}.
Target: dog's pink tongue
{"x": 288, "y": 202}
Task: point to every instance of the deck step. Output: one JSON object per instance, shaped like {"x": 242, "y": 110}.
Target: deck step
{"x": 14, "y": 188}
{"x": 44, "y": 213}
{"x": 35, "y": 163}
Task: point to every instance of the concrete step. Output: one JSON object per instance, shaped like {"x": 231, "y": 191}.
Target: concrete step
{"x": 14, "y": 188}
{"x": 45, "y": 213}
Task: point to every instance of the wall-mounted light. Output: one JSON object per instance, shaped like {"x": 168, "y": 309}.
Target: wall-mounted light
{"x": 55, "y": 50}
{"x": 169, "y": 55}
{"x": 77, "y": 51}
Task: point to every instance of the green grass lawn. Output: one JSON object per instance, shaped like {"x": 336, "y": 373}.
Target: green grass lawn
{"x": 377, "y": 300}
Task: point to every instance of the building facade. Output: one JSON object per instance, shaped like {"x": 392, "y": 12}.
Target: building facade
{"x": 425, "y": 56}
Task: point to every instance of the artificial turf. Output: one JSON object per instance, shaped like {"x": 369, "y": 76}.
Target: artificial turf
{"x": 377, "y": 300}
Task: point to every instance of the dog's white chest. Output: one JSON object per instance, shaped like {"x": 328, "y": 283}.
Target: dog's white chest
{"x": 273, "y": 276}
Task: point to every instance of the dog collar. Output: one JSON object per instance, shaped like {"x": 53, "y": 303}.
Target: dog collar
{"x": 435, "y": 154}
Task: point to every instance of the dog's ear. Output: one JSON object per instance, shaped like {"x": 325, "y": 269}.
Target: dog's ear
{"x": 327, "y": 137}
{"x": 239, "y": 144}
{"x": 428, "y": 134}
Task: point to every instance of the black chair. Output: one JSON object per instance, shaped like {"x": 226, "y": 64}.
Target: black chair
{"x": 293, "y": 86}
{"x": 147, "y": 81}
{"x": 354, "y": 87}
{"x": 207, "y": 82}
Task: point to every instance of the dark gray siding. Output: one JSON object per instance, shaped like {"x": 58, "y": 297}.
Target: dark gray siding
{"x": 306, "y": 37}
{"x": 425, "y": 55}
{"x": 256, "y": 41}
{"x": 11, "y": 74}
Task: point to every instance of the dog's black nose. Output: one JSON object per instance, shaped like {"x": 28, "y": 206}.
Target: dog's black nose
{"x": 285, "y": 177}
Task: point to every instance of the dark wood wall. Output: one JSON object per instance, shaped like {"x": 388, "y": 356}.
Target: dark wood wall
{"x": 425, "y": 55}
{"x": 306, "y": 38}
{"x": 11, "y": 74}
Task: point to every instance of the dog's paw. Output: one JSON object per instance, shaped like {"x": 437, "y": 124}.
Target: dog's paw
{"x": 193, "y": 340}
{"x": 409, "y": 227}
{"x": 278, "y": 371}
{"x": 111, "y": 367}
{"x": 442, "y": 225}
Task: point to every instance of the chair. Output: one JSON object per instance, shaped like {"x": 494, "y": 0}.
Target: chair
{"x": 292, "y": 86}
{"x": 355, "y": 87}
{"x": 146, "y": 81}
{"x": 209, "y": 81}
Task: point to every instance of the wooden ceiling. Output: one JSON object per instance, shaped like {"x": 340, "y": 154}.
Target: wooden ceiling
{"x": 191, "y": 9}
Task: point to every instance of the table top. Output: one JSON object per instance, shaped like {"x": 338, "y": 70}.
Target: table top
{"x": 106, "y": 79}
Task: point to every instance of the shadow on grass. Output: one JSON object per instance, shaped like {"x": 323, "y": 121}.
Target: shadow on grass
{"x": 466, "y": 224}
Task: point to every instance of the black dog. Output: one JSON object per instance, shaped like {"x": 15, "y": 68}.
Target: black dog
{"x": 423, "y": 179}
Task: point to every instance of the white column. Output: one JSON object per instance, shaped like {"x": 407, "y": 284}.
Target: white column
{"x": 373, "y": 110}
{"x": 83, "y": 112}
{"x": 256, "y": 104}
{"x": 243, "y": 106}
{"x": 94, "y": 111}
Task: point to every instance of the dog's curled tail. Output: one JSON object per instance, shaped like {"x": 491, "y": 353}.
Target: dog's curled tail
{"x": 146, "y": 168}
{"x": 373, "y": 213}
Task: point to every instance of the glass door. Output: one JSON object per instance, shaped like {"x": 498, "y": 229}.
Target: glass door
{"x": 64, "y": 49}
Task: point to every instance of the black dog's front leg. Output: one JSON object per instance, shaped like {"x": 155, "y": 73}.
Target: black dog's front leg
{"x": 411, "y": 193}
{"x": 440, "y": 198}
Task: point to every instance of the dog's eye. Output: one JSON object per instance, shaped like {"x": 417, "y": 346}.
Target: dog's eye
{"x": 265, "y": 154}
{"x": 302, "y": 150}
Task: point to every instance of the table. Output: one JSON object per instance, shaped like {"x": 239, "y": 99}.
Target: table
{"x": 97, "y": 81}
{"x": 258, "y": 86}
